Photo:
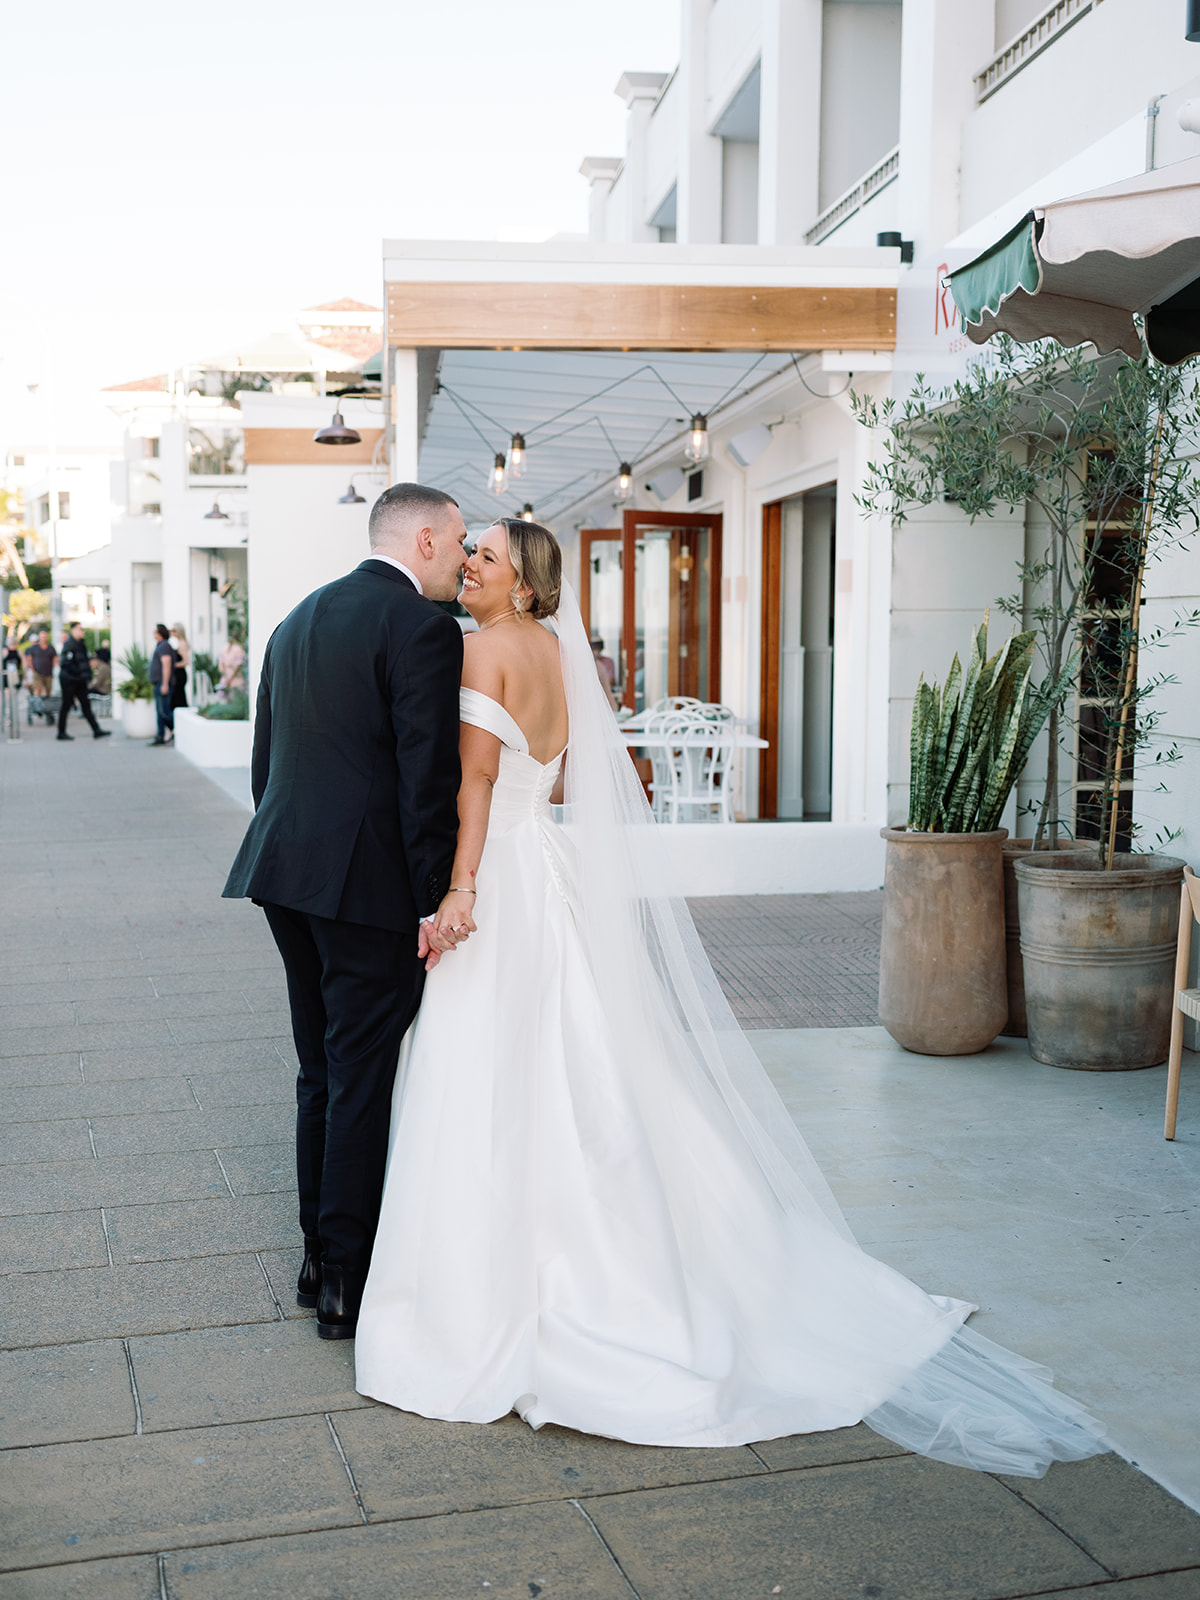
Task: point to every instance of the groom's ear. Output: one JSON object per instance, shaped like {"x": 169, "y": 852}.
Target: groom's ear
{"x": 425, "y": 542}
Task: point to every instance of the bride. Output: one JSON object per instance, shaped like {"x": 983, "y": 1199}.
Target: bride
{"x": 598, "y": 1212}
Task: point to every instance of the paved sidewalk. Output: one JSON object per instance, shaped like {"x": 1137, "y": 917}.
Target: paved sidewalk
{"x": 171, "y": 1428}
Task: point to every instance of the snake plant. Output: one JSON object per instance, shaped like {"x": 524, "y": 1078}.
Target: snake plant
{"x": 971, "y": 738}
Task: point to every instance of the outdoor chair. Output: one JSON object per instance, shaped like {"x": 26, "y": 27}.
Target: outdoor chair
{"x": 692, "y": 764}
{"x": 1187, "y": 1001}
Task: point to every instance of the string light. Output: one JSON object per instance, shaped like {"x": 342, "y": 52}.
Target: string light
{"x": 351, "y": 497}
{"x": 498, "y": 476}
{"x": 527, "y": 512}
{"x": 696, "y": 448}
{"x": 516, "y": 456}
{"x": 624, "y": 481}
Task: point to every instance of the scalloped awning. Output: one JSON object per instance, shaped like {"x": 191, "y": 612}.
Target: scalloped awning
{"x": 1078, "y": 270}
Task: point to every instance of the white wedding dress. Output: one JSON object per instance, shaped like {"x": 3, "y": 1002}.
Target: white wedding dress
{"x": 597, "y": 1212}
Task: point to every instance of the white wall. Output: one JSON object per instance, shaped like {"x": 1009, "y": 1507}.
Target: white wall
{"x": 860, "y": 92}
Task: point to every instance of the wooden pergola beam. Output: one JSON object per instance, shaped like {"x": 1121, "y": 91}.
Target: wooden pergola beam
{"x": 591, "y": 316}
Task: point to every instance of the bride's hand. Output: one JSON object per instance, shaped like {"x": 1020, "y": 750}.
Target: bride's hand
{"x": 454, "y": 920}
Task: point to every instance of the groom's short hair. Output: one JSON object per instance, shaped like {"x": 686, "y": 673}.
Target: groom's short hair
{"x": 404, "y": 500}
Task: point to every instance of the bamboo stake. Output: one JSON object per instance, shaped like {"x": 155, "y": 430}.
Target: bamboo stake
{"x": 1132, "y": 662}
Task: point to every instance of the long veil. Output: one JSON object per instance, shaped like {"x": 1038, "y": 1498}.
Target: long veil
{"x": 973, "y": 1403}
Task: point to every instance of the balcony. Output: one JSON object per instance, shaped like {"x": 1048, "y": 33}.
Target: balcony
{"x": 1038, "y": 36}
{"x": 880, "y": 175}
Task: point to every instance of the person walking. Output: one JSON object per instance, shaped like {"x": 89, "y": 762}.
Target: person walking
{"x": 162, "y": 670}
{"x": 183, "y": 660}
{"x": 42, "y": 659}
{"x": 75, "y": 676}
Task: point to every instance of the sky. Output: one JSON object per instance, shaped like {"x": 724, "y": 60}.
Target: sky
{"x": 176, "y": 179}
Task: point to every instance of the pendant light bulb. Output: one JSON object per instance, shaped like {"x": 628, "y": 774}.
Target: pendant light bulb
{"x": 527, "y": 512}
{"x": 624, "y": 480}
{"x": 498, "y": 476}
{"x": 696, "y": 448}
{"x": 516, "y": 455}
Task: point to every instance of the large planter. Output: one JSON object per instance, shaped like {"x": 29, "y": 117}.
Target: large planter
{"x": 1012, "y": 850}
{"x": 211, "y": 741}
{"x": 1099, "y": 955}
{"x": 941, "y": 966}
{"x": 139, "y": 719}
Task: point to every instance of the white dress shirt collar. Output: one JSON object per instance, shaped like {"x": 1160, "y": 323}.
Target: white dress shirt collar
{"x": 408, "y": 572}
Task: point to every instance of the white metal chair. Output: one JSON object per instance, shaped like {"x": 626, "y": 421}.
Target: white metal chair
{"x": 693, "y": 764}
{"x": 1187, "y": 1001}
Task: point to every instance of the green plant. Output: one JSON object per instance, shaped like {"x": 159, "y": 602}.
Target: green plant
{"x": 1075, "y": 443}
{"x": 137, "y": 685}
{"x": 970, "y": 740}
{"x": 203, "y": 662}
{"x": 235, "y": 709}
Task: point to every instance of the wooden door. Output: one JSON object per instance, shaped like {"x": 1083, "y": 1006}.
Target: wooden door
{"x": 671, "y": 565}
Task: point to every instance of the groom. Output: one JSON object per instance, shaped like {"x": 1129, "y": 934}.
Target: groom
{"x": 355, "y": 777}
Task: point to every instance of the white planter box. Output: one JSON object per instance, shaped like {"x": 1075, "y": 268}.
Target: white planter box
{"x": 138, "y": 718}
{"x": 207, "y": 743}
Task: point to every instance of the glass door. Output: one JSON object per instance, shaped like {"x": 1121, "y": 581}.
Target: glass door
{"x": 672, "y": 585}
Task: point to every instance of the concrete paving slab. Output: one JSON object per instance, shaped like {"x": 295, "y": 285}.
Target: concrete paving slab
{"x": 519, "y": 1554}
{"x": 216, "y": 1375}
{"x": 32, "y": 1072}
{"x": 266, "y": 968}
{"x": 103, "y": 1035}
{"x": 118, "y": 1302}
{"x": 1121, "y": 1518}
{"x": 264, "y": 1168}
{"x": 55, "y": 969}
{"x": 65, "y": 1391}
{"x": 242, "y": 1055}
{"x": 283, "y": 1268}
{"x": 275, "y": 1080}
{"x": 897, "y": 1528}
{"x": 193, "y": 1129}
{"x": 65, "y": 1139}
{"x": 826, "y": 1449}
{"x": 125, "y": 1578}
{"x": 408, "y": 1466}
{"x": 52, "y": 1240}
{"x": 1047, "y": 1197}
{"x": 34, "y": 1103}
{"x": 78, "y": 1185}
{"x": 247, "y": 1025}
{"x": 56, "y": 1013}
{"x": 222, "y": 1226}
{"x": 1162, "y": 1586}
{"x": 198, "y": 1486}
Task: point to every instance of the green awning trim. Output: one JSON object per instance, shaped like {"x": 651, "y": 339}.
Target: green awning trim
{"x": 987, "y": 282}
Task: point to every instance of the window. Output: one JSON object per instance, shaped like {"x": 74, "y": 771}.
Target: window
{"x": 64, "y": 505}
{"x": 43, "y": 508}
{"x": 18, "y": 461}
{"x": 215, "y": 451}
{"x": 150, "y": 447}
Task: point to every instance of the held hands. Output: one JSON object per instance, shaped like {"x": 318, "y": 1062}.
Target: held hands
{"x": 450, "y": 926}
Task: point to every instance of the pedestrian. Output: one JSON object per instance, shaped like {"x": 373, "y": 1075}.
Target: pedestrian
{"x": 183, "y": 659}
{"x": 232, "y": 665}
{"x": 14, "y": 665}
{"x": 102, "y": 670}
{"x": 162, "y": 670}
{"x": 75, "y": 676}
{"x": 42, "y": 659}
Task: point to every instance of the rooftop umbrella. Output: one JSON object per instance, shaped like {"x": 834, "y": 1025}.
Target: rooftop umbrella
{"x": 1078, "y": 269}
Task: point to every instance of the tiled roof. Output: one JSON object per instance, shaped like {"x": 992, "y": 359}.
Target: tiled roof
{"x": 355, "y": 343}
{"x": 341, "y": 305}
{"x": 155, "y": 385}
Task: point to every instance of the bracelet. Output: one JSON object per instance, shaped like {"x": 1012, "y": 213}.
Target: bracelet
{"x": 459, "y": 891}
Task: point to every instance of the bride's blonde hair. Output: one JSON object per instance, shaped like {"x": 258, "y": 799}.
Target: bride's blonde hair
{"x": 537, "y": 562}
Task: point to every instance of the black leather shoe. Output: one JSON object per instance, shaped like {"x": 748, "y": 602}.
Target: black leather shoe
{"x": 102, "y": 733}
{"x": 308, "y": 1284}
{"x": 338, "y": 1301}
{"x": 66, "y": 736}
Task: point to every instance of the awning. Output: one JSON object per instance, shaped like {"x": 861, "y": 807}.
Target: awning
{"x": 1078, "y": 269}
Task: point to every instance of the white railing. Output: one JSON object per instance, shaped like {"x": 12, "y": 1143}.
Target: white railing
{"x": 880, "y": 175}
{"x": 1040, "y": 34}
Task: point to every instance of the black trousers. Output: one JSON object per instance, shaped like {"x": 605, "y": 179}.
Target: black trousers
{"x": 70, "y": 693}
{"x": 353, "y": 992}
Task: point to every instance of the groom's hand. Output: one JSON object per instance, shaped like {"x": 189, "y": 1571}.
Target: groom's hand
{"x": 425, "y": 950}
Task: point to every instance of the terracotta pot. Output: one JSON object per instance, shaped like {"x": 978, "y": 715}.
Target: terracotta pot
{"x": 941, "y": 964}
{"x": 1012, "y": 850}
{"x": 1099, "y": 954}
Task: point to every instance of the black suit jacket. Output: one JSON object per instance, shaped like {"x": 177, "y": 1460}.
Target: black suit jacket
{"x": 355, "y": 770}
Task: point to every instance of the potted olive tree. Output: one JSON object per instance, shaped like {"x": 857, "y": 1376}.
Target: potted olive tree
{"x": 941, "y": 975}
{"x": 1090, "y": 447}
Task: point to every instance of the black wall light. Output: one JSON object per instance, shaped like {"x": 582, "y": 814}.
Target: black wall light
{"x": 1191, "y": 28}
{"x": 893, "y": 241}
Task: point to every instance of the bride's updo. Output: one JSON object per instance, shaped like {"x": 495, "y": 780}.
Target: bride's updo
{"x": 537, "y": 562}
